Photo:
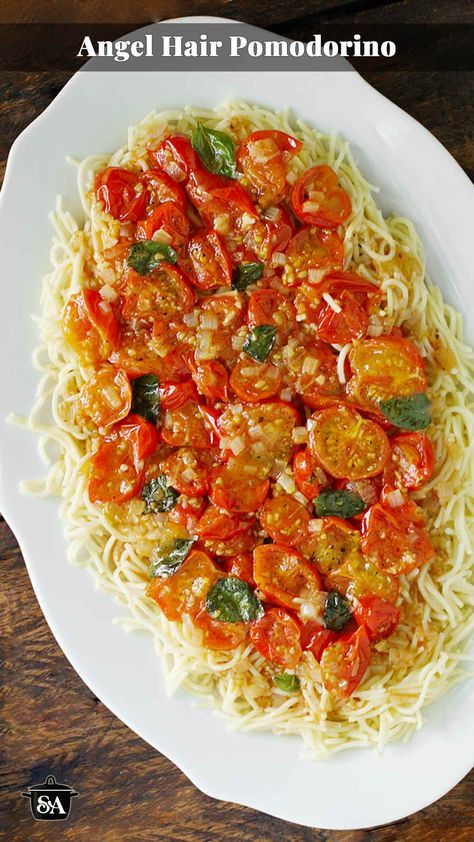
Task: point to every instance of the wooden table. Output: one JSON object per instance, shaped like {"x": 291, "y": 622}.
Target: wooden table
{"x": 51, "y": 720}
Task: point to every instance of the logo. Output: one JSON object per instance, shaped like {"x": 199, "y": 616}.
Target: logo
{"x": 50, "y": 801}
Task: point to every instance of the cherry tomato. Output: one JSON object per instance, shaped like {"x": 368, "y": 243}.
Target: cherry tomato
{"x": 211, "y": 262}
{"x": 379, "y": 617}
{"x": 331, "y": 544}
{"x": 238, "y": 485}
{"x": 185, "y": 426}
{"x": 348, "y": 323}
{"x": 220, "y": 317}
{"x": 142, "y": 435}
{"x": 396, "y": 540}
{"x": 120, "y": 193}
{"x": 136, "y": 356}
{"x": 267, "y": 429}
{"x": 219, "y": 525}
{"x": 106, "y": 398}
{"x": 187, "y": 512}
{"x": 162, "y": 293}
{"x": 90, "y": 325}
{"x": 315, "y": 638}
{"x": 161, "y": 188}
{"x": 230, "y": 547}
{"x": 174, "y": 395}
{"x": 312, "y": 370}
{"x": 211, "y": 378}
{"x": 285, "y": 520}
{"x": 221, "y": 202}
{"x": 310, "y": 254}
{"x": 306, "y": 477}
{"x": 116, "y": 469}
{"x": 218, "y": 635}
{"x": 384, "y": 367}
{"x": 318, "y": 199}
{"x": 269, "y": 307}
{"x": 285, "y": 577}
{"x": 240, "y": 566}
{"x": 347, "y": 445}
{"x": 253, "y": 381}
{"x": 276, "y": 636}
{"x": 264, "y": 157}
{"x": 357, "y": 578}
{"x": 411, "y": 462}
{"x": 278, "y": 232}
{"x": 187, "y": 470}
{"x": 344, "y": 663}
{"x": 169, "y": 218}
{"x": 185, "y": 591}
{"x": 176, "y": 157}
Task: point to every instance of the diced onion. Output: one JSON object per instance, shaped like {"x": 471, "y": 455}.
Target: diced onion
{"x": 395, "y": 499}
{"x": 287, "y": 483}
{"x": 278, "y": 258}
{"x": 310, "y": 365}
{"x": 341, "y": 375}
{"x": 209, "y": 321}
{"x": 300, "y": 435}
{"x": 291, "y": 177}
{"x": 108, "y": 293}
{"x": 286, "y": 394}
{"x": 333, "y": 304}
{"x": 316, "y": 275}
{"x": 272, "y": 213}
{"x": 311, "y": 207}
{"x": 237, "y": 445}
{"x": 191, "y": 319}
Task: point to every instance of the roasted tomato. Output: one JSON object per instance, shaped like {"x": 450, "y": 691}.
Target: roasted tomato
{"x": 211, "y": 262}
{"x": 186, "y": 427}
{"x": 238, "y": 486}
{"x": 384, "y": 367}
{"x": 342, "y": 319}
{"x": 253, "y": 381}
{"x": 223, "y": 204}
{"x": 263, "y": 158}
{"x": 161, "y": 188}
{"x": 318, "y": 199}
{"x": 285, "y": 520}
{"x": 307, "y": 476}
{"x": 344, "y": 663}
{"x": 411, "y": 462}
{"x": 278, "y": 231}
{"x": 106, "y": 398}
{"x": 266, "y": 430}
{"x": 396, "y": 540}
{"x": 120, "y": 193}
{"x": 174, "y": 395}
{"x": 379, "y": 617}
{"x": 347, "y": 445}
{"x": 276, "y": 636}
{"x": 176, "y": 157}
{"x": 219, "y": 525}
{"x": 315, "y": 638}
{"x": 240, "y": 566}
{"x": 90, "y": 325}
{"x": 357, "y": 578}
{"x": 136, "y": 356}
{"x": 219, "y": 635}
{"x": 168, "y": 218}
{"x": 285, "y": 577}
{"x": 331, "y": 544}
{"x": 116, "y": 469}
{"x": 310, "y": 254}
{"x": 163, "y": 293}
{"x": 312, "y": 370}
{"x": 220, "y": 317}
{"x": 210, "y": 377}
{"x": 269, "y": 307}
{"x": 188, "y": 470}
{"x": 187, "y": 512}
{"x": 185, "y": 591}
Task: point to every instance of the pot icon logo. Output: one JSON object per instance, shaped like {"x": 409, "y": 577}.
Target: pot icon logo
{"x": 50, "y": 801}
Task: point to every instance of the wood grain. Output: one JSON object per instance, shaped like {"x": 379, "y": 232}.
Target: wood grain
{"x": 50, "y": 720}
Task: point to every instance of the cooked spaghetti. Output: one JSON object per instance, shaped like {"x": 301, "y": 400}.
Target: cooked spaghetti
{"x": 259, "y": 416}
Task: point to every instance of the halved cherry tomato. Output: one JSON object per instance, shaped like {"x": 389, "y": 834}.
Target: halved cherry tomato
{"x": 238, "y": 485}
{"x": 174, "y": 395}
{"x": 379, "y": 617}
{"x": 187, "y": 512}
{"x": 220, "y": 201}
{"x": 278, "y": 231}
{"x": 310, "y": 254}
{"x": 276, "y": 636}
{"x": 267, "y": 428}
{"x": 285, "y": 577}
{"x": 306, "y": 476}
{"x": 253, "y": 381}
{"x": 220, "y": 316}
{"x": 318, "y": 199}
{"x": 384, "y": 367}
{"x": 269, "y": 307}
{"x": 218, "y": 635}
{"x": 230, "y": 547}
{"x": 90, "y": 325}
{"x": 312, "y": 370}
{"x": 106, "y": 398}
{"x": 344, "y": 663}
{"x": 347, "y": 445}
{"x": 350, "y": 321}
{"x": 315, "y": 638}
{"x": 161, "y": 188}
{"x": 162, "y": 293}
{"x": 185, "y": 426}
{"x": 396, "y": 540}
{"x": 116, "y": 469}
{"x": 170, "y": 218}
{"x": 185, "y": 591}
{"x": 143, "y": 436}
{"x": 210, "y": 377}
{"x": 218, "y": 525}
{"x": 264, "y": 157}
{"x": 176, "y": 157}
{"x": 285, "y": 520}
{"x": 211, "y": 262}
{"x": 187, "y": 470}
{"x": 357, "y": 578}
{"x": 121, "y": 193}
{"x": 411, "y": 462}
{"x": 136, "y": 356}
{"x": 240, "y": 566}
{"x": 331, "y": 544}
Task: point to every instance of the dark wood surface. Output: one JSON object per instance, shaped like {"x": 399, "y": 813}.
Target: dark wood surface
{"x": 51, "y": 722}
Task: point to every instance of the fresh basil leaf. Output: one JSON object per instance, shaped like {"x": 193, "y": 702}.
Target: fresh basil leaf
{"x": 163, "y": 566}
{"x": 233, "y": 601}
{"x": 216, "y": 150}
{"x": 246, "y": 274}
{"x": 145, "y": 256}
{"x": 341, "y": 503}
{"x": 158, "y": 495}
{"x": 287, "y": 682}
{"x": 411, "y": 413}
{"x": 337, "y": 611}
{"x": 146, "y": 397}
{"x": 260, "y": 342}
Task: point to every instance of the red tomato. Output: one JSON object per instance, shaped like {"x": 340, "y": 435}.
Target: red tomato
{"x": 349, "y": 323}
{"x": 220, "y": 201}
{"x": 318, "y": 199}
{"x": 230, "y": 547}
{"x": 187, "y": 512}
{"x": 185, "y": 426}
{"x": 347, "y": 445}
{"x": 267, "y": 429}
{"x": 310, "y": 254}
{"x": 240, "y": 566}
{"x": 162, "y": 293}
{"x": 90, "y": 325}
{"x": 116, "y": 469}
{"x": 285, "y": 577}
{"x": 411, "y": 462}
{"x": 161, "y": 188}
{"x": 396, "y": 540}
{"x": 276, "y": 636}
{"x": 312, "y": 370}
{"x": 220, "y": 317}
{"x": 278, "y": 231}
{"x": 306, "y": 477}
{"x": 264, "y": 157}
{"x": 344, "y": 663}
{"x": 238, "y": 485}
{"x": 218, "y": 635}
{"x": 331, "y": 545}
{"x": 269, "y": 307}
{"x": 136, "y": 356}
{"x": 120, "y": 193}
{"x": 315, "y": 638}
{"x": 379, "y": 617}
{"x": 185, "y": 591}
{"x": 174, "y": 395}
{"x": 170, "y": 218}
{"x": 285, "y": 520}
{"x": 253, "y": 381}
{"x": 384, "y": 367}
{"x": 211, "y": 262}
{"x": 210, "y": 377}
{"x": 176, "y": 157}
{"x": 218, "y": 525}
{"x": 106, "y": 398}
{"x": 358, "y": 577}
{"x": 187, "y": 470}
{"x": 142, "y": 435}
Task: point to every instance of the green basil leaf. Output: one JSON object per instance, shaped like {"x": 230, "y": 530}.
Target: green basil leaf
{"x": 146, "y": 255}
{"x": 146, "y": 397}
{"x": 216, "y": 150}
{"x": 158, "y": 495}
{"x": 260, "y": 342}
{"x": 411, "y": 413}
{"x": 165, "y": 565}
{"x": 287, "y": 682}
{"x": 246, "y": 274}
{"x": 341, "y": 503}
{"x": 233, "y": 601}
{"x": 337, "y": 611}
